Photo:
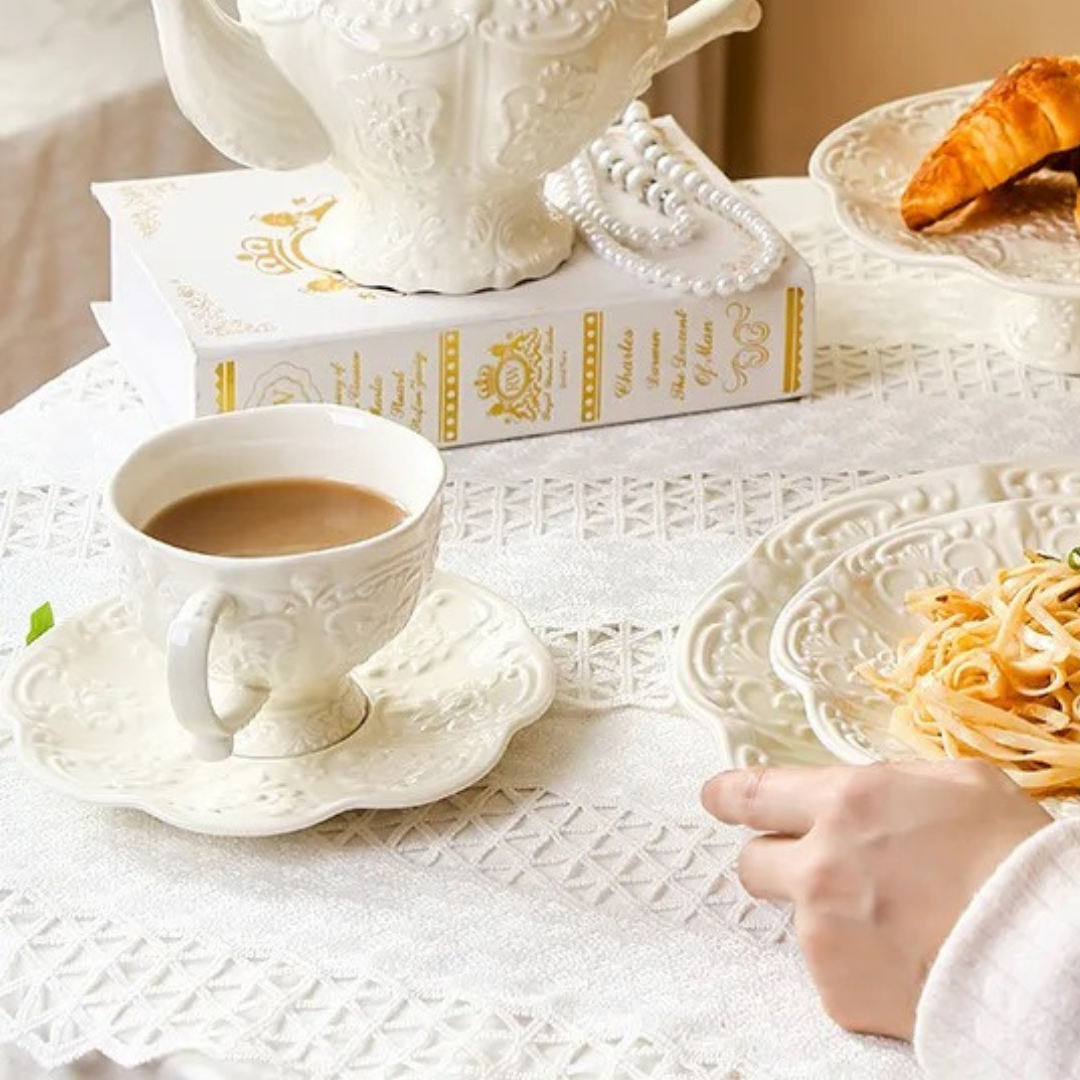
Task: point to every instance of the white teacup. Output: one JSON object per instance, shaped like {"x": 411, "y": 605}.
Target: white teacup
{"x": 259, "y": 650}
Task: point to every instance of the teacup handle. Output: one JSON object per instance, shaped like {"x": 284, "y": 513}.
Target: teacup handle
{"x": 187, "y": 664}
{"x": 703, "y": 21}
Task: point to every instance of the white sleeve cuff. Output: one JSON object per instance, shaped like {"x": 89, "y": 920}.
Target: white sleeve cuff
{"x": 1002, "y": 999}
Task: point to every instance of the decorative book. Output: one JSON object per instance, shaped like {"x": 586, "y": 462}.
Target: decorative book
{"x": 217, "y": 304}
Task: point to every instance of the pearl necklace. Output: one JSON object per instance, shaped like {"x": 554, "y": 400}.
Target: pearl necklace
{"x": 662, "y": 180}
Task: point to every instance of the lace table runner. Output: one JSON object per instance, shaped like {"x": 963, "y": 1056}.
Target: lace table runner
{"x": 576, "y": 914}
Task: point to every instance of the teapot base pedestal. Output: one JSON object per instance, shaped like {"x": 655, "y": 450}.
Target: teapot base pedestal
{"x": 456, "y": 245}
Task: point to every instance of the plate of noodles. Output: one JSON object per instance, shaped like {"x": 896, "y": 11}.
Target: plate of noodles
{"x": 958, "y": 637}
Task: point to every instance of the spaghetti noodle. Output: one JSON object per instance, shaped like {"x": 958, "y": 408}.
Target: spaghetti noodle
{"x": 995, "y": 674}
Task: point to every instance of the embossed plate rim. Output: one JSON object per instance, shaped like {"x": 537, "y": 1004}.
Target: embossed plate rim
{"x": 787, "y": 665}
{"x": 819, "y": 700}
{"x": 735, "y": 733}
{"x": 841, "y": 199}
{"x": 253, "y": 826}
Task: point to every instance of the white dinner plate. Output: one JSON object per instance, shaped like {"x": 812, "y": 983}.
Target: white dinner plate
{"x": 721, "y": 666}
{"x": 853, "y": 612}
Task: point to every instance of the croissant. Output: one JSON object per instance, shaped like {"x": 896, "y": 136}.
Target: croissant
{"x": 1029, "y": 114}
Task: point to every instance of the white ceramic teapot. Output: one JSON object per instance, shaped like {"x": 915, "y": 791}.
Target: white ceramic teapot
{"x": 444, "y": 115}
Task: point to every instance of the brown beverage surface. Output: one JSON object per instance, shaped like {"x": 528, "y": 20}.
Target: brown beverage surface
{"x": 274, "y": 517}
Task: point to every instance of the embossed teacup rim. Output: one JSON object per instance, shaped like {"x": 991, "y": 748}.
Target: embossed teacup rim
{"x": 411, "y": 521}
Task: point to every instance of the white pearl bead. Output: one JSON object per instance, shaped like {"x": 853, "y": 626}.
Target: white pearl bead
{"x": 655, "y": 177}
{"x": 636, "y": 179}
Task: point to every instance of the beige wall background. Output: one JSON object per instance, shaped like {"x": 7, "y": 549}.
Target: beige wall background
{"x": 813, "y": 64}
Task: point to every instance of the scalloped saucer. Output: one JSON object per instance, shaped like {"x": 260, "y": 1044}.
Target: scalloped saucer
{"x": 91, "y": 716}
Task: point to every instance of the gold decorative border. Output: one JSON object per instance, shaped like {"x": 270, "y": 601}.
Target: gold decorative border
{"x": 214, "y": 320}
{"x": 225, "y": 386}
{"x": 793, "y": 340}
{"x": 142, "y": 201}
{"x": 449, "y": 385}
{"x": 592, "y": 351}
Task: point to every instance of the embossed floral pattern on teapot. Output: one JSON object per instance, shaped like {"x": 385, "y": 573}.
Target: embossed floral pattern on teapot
{"x": 445, "y": 115}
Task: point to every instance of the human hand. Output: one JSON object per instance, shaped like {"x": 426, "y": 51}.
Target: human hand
{"x": 879, "y": 861}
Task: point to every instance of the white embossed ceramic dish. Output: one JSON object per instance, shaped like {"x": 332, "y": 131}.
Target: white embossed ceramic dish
{"x": 1026, "y": 242}
{"x": 91, "y": 717}
{"x": 853, "y": 612}
{"x": 721, "y": 666}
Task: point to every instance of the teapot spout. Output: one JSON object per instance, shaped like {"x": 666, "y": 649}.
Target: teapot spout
{"x": 702, "y": 22}
{"x": 228, "y": 87}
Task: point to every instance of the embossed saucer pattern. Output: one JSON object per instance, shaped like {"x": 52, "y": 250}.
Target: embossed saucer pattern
{"x": 91, "y": 718}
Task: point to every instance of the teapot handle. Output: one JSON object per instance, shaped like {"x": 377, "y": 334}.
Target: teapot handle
{"x": 703, "y": 21}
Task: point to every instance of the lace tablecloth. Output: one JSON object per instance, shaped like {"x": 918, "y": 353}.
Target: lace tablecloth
{"x": 576, "y": 914}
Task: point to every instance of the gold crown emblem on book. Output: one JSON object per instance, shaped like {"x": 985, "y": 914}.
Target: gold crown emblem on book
{"x": 279, "y": 255}
{"x": 515, "y": 379}
{"x": 269, "y": 255}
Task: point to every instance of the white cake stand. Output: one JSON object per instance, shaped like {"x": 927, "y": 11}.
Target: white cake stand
{"x": 1023, "y": 240}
